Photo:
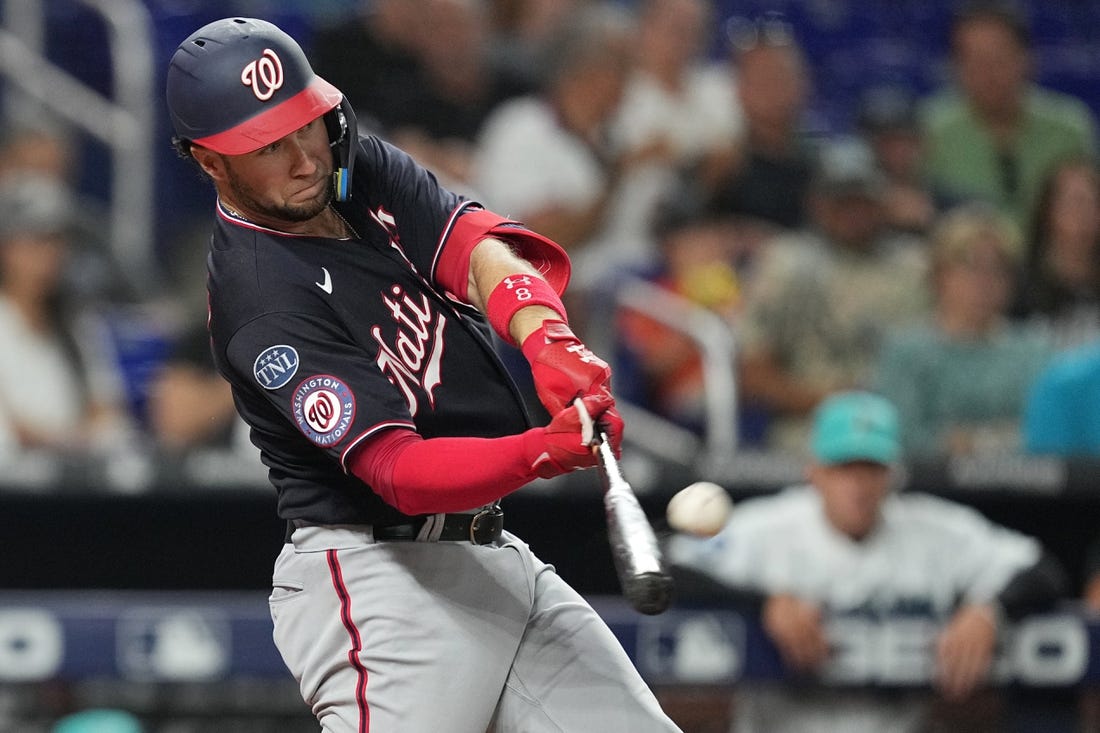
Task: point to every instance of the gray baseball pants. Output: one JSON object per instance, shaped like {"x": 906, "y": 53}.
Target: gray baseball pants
{"x": 427, "y": 637}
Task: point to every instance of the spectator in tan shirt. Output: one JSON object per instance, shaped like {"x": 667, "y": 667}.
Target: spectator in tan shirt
{"x": 819, "y": 301}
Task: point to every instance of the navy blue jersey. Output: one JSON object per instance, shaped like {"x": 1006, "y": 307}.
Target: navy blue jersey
{"x": 326, "y": 342}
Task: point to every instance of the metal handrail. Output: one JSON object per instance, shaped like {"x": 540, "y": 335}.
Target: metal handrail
{"x": 124, "y": 125}
{"x": 715, "y": 340}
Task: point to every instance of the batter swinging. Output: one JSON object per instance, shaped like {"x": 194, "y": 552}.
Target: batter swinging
{"x": 350, "y": 313}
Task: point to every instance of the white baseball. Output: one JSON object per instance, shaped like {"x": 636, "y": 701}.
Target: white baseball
{"x": 701, "y": 509}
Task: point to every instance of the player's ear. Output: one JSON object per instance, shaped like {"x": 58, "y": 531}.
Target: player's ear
{"x": 211, "y": 163}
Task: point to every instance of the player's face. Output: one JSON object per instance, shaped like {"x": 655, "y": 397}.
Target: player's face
{"x": 290, "y": 180}
{"x": 852, "y": 494}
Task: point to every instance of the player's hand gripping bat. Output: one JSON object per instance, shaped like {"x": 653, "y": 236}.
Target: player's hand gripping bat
{"x": 638, "y": 560}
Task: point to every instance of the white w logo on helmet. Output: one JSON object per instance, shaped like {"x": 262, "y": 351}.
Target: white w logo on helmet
{"x": 264, "y": 75}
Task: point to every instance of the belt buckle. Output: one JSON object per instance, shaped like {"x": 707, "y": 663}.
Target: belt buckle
{"x": 486, "y": 525}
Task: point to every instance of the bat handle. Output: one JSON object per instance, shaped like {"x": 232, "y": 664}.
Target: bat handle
{"x": 606, "y": 455}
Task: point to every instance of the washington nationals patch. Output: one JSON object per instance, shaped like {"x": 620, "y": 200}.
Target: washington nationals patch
{"x": 324, "y": 408}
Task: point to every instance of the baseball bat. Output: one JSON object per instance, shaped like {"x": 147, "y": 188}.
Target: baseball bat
{"x": 638, "y": 560}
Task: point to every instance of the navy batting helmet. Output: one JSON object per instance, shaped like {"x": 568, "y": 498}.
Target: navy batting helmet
{"x": 238, "y": 84}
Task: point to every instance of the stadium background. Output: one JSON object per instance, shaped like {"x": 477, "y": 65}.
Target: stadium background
{"x": 84, "y": 543}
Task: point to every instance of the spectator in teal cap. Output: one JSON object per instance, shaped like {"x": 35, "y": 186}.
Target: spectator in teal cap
{"x": 98, "y": 721}
{"x": 854, "y": 442}
{"x": 856, "y": 426}
{"x": 844, "y": 548}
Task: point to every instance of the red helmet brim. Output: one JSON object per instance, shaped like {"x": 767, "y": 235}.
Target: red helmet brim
{"x": 277, "y": 122}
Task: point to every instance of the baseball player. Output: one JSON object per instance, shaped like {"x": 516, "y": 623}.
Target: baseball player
{"x": 350, "y": 302}
{"x": 842, "y": 549}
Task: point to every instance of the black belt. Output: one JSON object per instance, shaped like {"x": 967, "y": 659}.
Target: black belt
{"x": 481, "y": 528}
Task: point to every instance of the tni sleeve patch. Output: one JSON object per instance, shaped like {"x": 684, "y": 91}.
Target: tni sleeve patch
{"x": 275, "y": 366}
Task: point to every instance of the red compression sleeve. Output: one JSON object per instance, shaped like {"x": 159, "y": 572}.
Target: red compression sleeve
{"x": 419, "y": 476}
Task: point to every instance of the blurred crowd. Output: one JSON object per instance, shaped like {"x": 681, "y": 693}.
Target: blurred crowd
{"x": 943, "y": 253}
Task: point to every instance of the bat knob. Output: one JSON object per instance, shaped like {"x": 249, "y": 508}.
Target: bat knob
{"x": 649, "y": 593}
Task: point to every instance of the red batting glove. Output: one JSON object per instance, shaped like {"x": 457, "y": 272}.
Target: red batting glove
{"x": 611, "y": 423}
{"x": 559, "y": 447}
{"x": 562, "y": 367}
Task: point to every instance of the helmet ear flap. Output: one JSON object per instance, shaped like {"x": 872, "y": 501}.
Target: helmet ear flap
{"x": 343, "y": 134}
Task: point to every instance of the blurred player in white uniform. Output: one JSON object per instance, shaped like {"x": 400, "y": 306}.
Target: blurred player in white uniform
{"x": 844, "y": 550}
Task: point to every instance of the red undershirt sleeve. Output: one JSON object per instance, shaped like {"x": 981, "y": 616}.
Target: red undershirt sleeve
{"x": 419, "y": 476}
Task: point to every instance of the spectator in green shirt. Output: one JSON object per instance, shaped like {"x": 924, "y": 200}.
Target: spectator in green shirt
{"x": 996, "y": 134}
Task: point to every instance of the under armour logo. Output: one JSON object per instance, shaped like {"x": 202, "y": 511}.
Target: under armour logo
{"x": 511, "y": 282}
{"x": 264, "y": 75}
{"x": 582, "y": 352}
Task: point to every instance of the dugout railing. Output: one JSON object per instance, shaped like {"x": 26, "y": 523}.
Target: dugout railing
{"x": 124, "y": 122}
{"x": 713, "y": 337}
